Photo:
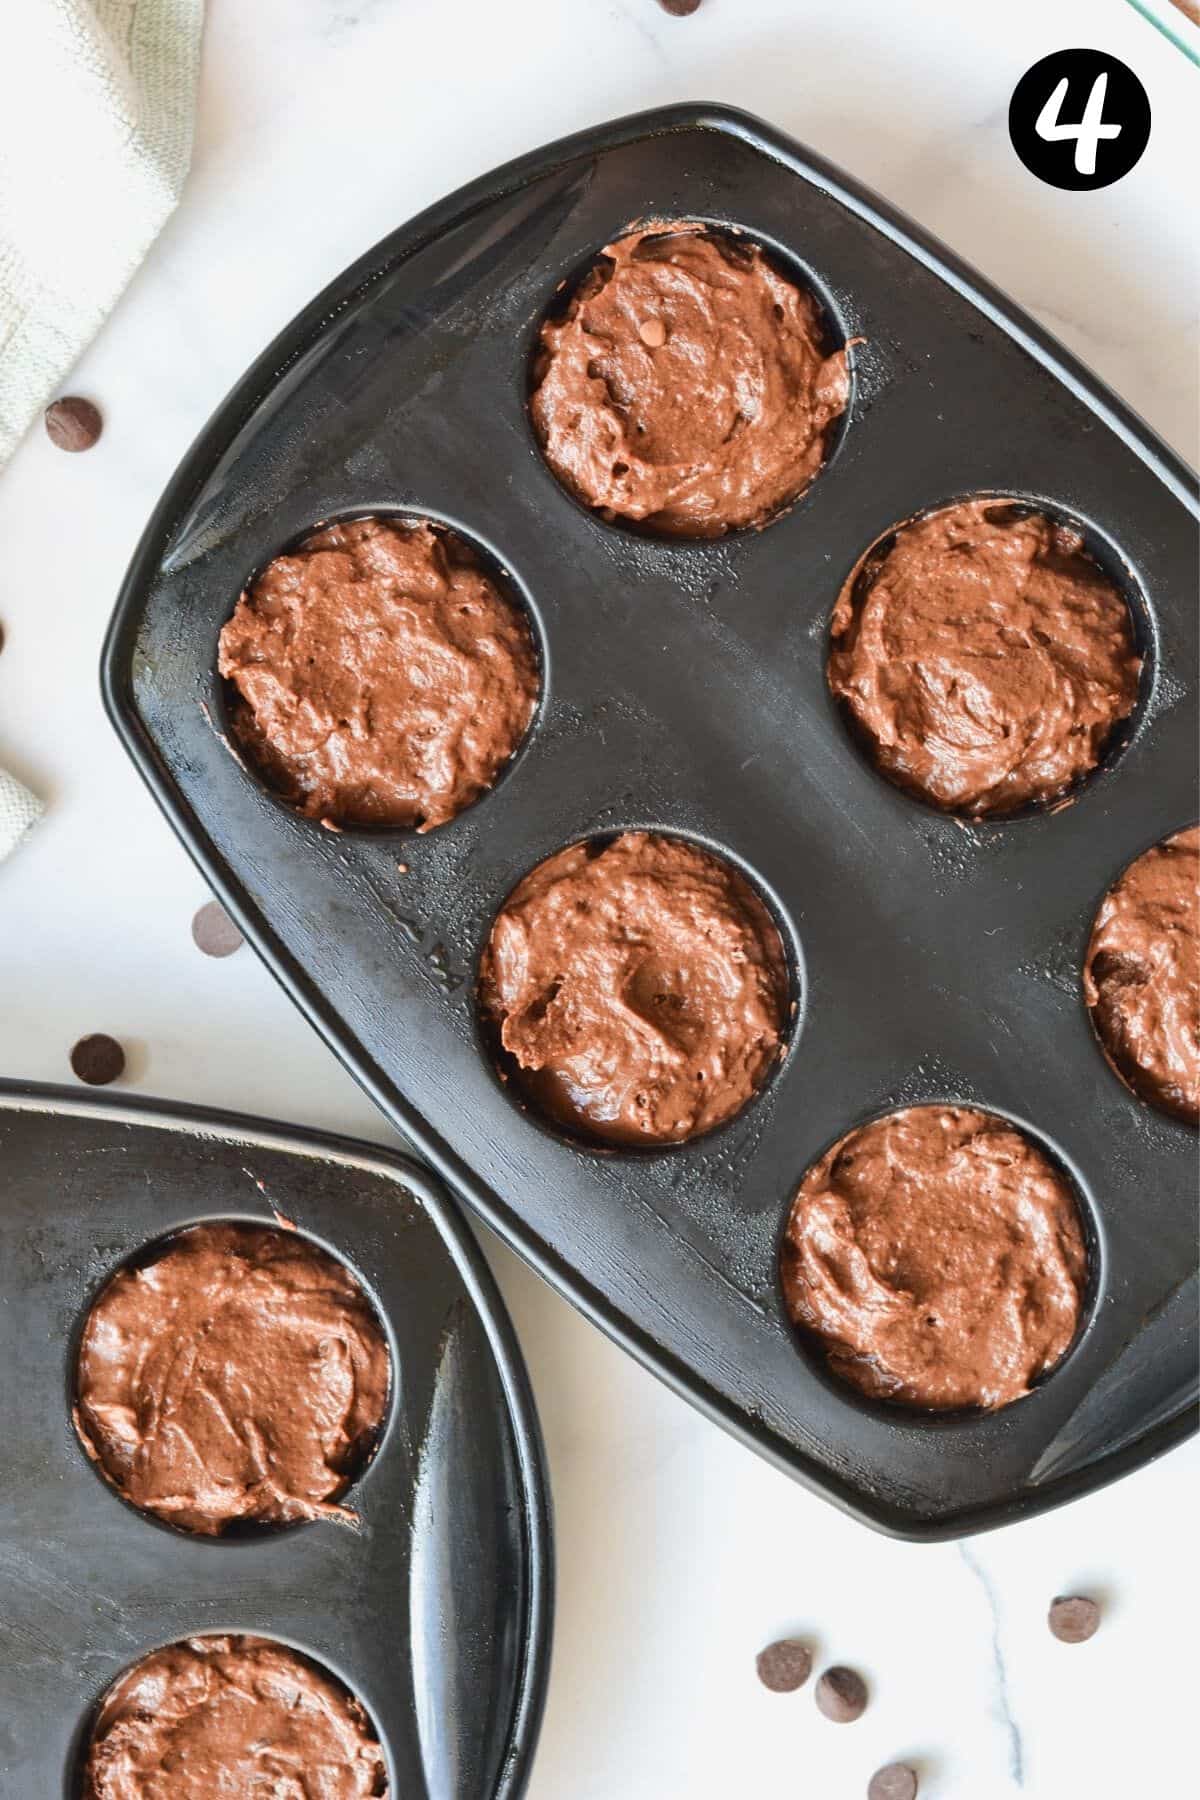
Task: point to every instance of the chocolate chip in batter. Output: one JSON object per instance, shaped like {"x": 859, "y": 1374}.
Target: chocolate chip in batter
{"x": 73, "y": 423}
{"x": 679, "y": 9}
{"x": 1073, "y": 1618}
{"x": 895, "y": 1782}
{"x": 842, "y": 1695}
{"x": 784, "y": 1666}
{"x": 98, "y": 1059}
{"x": 214, "y": 932}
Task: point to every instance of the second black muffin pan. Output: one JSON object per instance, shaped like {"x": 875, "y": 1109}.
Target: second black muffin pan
{"x": 435, "y": 1610}
{"x": 684, "y": 690}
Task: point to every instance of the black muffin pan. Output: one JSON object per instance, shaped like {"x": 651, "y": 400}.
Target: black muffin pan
{"x": 684, "y": 690}
{"x": 435, "y": 1610}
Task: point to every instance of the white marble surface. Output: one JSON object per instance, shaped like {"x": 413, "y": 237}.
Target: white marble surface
{"x": 323, "y": 124}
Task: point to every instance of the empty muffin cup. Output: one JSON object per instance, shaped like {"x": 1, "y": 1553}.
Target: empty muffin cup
{"x": 235, "y": 1376}
{"x": 936, "y": 1257}
{"x": 231, "y": 1715}
{"x": 1141, "y": 976}
{"x": 689, "y": 386}
{"x": 636, "y": 990}
{"x": 983, "y": 658}
{"x": 379, "y": 675}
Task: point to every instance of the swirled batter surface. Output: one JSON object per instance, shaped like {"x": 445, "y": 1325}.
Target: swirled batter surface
{"x": 1141, "y": 979}
{"x": 984, "y": 657}
{"x": 239, "y": 1718}
{"x": 938, "y": 1257}
{"x": 688, "y": 385}
{"x": 240, "y": 1375}
{"x": 639, "y": 989}
{"x": 381, "y": 677}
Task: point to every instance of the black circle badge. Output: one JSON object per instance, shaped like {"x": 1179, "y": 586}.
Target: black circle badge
{"x": 1079, "y": 119}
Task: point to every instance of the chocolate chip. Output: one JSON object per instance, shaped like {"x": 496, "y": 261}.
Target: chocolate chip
{"x": 679, "y": 9}
{"x": 214, "y": 931}
{"x": 895, "y": 1782}
{"x": 98, "y": 1059}
{"x": 73, "y": 424}
{"x": 785, "y": 1666}
{"x": 1073, "y": 1619}
{"x": 1, "y": 637}
{"x": 842, "y": 1695}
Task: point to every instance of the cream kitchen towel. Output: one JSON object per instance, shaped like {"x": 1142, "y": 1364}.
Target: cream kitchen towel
{"x": 96, "y": 106}
{"x": 18, "y": 811}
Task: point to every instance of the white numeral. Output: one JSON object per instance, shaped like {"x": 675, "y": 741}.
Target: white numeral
{"x": 1090, "y": 129}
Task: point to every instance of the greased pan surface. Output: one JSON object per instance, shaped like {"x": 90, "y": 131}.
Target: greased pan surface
{"x": 684, "y": 689}
{"x": 436, "y": 1610}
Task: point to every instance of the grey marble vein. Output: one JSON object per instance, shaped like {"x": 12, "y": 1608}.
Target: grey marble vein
{"x": 1016, "y": 1748}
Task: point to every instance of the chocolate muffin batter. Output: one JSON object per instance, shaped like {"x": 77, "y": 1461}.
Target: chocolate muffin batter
{"x": 240, "y": 1375}
{"x": 688, "y": 385}
{"x": 938, "y": 1257}
{"x": 984, "y": 657}
{"x": 640, "y": 989}
{"x": 1141, "y": 979}
{"x": 381, "y": 678}
{"x": 237, "y": 1717}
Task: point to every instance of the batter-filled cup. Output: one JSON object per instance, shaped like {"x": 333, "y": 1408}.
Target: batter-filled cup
{"x": 689, "y": 386}
{"x": 211, "y": 1716}
{"x": 1141, "y": 977}
{"x": 239, "y": 1376}
{"x": 379, "y": 675}
{"x": 983, "y": 658}
{"x": 637, "y": 990}
{"x": 936, "y": 1257}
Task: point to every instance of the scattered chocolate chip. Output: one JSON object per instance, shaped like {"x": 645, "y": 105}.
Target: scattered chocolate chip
{"x": 653, "y": 333}
{"x": 214, "y": 931}
{"x": 1073, "y": 1619}
{"x": 679, "y": 9}
{"x": 895, "y": 1782}
{"x": 98, "y": 1059}
{"x": 1, "y": 637}
{"x": 73, "y": 424}
{"x": 785, "y": 1666}
{"x": 842, "y": 1695}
